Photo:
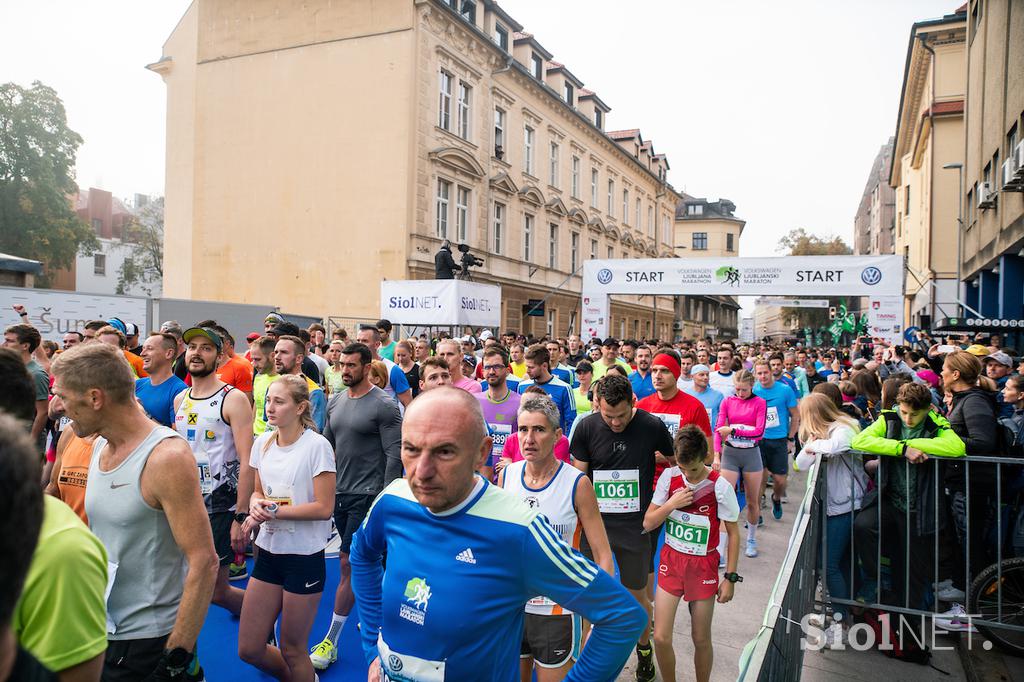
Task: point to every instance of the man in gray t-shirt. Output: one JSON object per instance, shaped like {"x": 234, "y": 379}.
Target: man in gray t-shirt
{"x": 365, "y": 427}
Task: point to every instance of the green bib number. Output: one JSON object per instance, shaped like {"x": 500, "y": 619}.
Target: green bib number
{"x": 688, "y": 533}
{"x": 617, "y": 491}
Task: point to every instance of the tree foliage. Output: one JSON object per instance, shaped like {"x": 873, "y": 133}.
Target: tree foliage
{"x": 37, "y": 162}
{"x": 799, "y": 243}
{"x": 143, "y": 265}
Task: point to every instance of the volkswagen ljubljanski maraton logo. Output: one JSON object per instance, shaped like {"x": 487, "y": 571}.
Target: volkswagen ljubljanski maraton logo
{"x": 604, "y": 275}
{"x": 871, "y": 276}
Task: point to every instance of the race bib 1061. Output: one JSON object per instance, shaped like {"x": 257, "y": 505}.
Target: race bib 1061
{"x": 617, "y": 490}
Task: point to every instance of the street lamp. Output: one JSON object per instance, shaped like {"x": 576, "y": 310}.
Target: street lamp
{"x": 959, "y": 234}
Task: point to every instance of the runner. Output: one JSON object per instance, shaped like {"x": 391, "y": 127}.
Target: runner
{"x": 615, "y": 446}
{"x": 403, "y": 358}
{"x": 558, "y": 368}
{"x": 775, "y": 362}
{"x": 643, "y": 386}
{"x": 499, "y": 404}
{"x": 552, "y": 634}
{"x": 450, "y": 351}
{"x": 422, "y": 350}
{"x": 585, "y": 375}
{"x": 537, "y": 363}
{"x": 675, "y": 409}
{"x": 234, "y": 370}
{"x": 721, "y": 379}
{"x": 433, "y": 373}
{"x": 289, "y": 358}
{"x": 609, "y": 357}
{"x": 781, "y": 423}
{"x": 740, "y": 427}
{"x": 215, "y": 418}
{"x": 447, "y": 533}
{"x": 576, "y": 349}
{"x": 332, "y": 375}
{"x": 365, "y": 429}
{"x": 71, "y": 466}
{"x": 686, "y": 362}
{"x": 71, "y": 339}
{"x": 397, "y": 386}
{"x": 145, "y": 507}
{"x": 23, "y": 339}
{"x": 797, "y": 373}
{"x": 517, "y": 362}
{"x": 694, "y": 501}
{"x": 292, "y": 502}
{"x": 702, "y": 391}
{"x": 157, "y": 391}
{"x": 262, "y": 353}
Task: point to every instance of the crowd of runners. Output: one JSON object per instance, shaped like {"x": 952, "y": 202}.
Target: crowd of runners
{"x": 541, "y": 505}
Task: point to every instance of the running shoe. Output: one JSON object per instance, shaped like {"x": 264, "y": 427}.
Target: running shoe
{"x": 645, "y": 664}
{"x": 948, "y": 582}
{"x": 238, "y": 571}
{"x": 760, "y": 522}
{"x": 776, "y": 509}
{"x": 323, "y": 654}
{"x": 751, "y": 548}
{"x": 950, "y": 593}
{"x": 954, "y": 620}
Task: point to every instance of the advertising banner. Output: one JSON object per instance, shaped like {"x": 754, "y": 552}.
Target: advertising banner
{"x": 885, "y": 318}
{"x": 54, "y": 312}
{"x": 440, "y": 302}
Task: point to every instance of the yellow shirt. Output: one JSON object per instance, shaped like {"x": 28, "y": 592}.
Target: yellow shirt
{"x": 518, "y": 368}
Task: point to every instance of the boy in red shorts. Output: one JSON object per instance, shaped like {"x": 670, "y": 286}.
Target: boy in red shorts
{"x": 692, "y": 501}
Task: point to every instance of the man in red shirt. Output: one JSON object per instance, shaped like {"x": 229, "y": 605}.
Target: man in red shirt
{"x": 676, "y": 409}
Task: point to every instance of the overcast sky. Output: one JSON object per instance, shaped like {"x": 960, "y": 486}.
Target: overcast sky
{"x": 778, "y": 106}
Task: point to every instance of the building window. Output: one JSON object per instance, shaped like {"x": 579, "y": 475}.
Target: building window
{"x": 700, "y": 241}
{"x": 637, "y": 224}
{"x": 528, "y": 149}
{"x": 97, "y": 226}
{"x": 906, "y": 200}
{"x": 465, "y": 92}
{"x": 575, "y": 185}
{"x": 695, "y": 209}
{"x": 553, "y": 246}
{"x": 730, "y": 242}
{"x": 593, "y": 248}
{"x": 650, "y": 220}
{"x": 468, "y": 10}
{"x": 527, "y": 237}
{"x": 444, "y": 190}
{"x": 611, "y": 193}
{"x": 593, "y": 187}
{"x": 501, "y": 36}
{"x": 611, "y": 252}
{"x": 995, "y": 167}
{"x": 553, "y": 180}
{"x": 574, "y": 251}
{"x": 598, "y": 118}
{"x": 537, "y": 66}
{"x": 625, "y": 207}
{"x": 570, "y": 95}
{"x": 1011, "y": 140}
{"x": 461, "y": 213}
{"x": 499, "y": 227}
{"x": 444, "y": 118}
{"x": 499, "y": 132}
{"x": 99, "y": 264}
{"x": 666, "y": 230}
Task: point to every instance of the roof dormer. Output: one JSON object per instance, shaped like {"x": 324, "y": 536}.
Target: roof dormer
{"x": 564, "y": 83}
{"x": 591, "y": 106}
{"x": 531, "y": 54}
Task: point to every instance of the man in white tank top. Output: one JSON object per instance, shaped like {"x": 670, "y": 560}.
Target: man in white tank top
{"x": 216, "y": 421}
{"x": 144, "y": 505}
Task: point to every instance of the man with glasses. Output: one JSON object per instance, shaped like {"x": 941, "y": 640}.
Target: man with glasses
{"x": 500, "y": 404}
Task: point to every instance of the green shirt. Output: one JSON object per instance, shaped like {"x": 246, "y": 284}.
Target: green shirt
{"x": 333, "y": 380}
{"x": 600, "y": 369}
{"x": 61, "y": 616}
{"x": 260, "y": 385}
{"x": 902, "y": 482}
{"x": 388, "y": 351}
{"x": 583, "y": 405}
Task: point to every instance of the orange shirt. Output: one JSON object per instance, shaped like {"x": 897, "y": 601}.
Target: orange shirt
{"x": 136, "y": 362}
{"x": 74, "y": 472}
{"x": 237, "y": 372}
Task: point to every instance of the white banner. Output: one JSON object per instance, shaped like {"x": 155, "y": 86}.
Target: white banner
{"x": 885, "y": 318}
{"x": 595, "y": 317}
{"x": 796, "y": 302}
{"x": 54, "y": 312}
{"x": 440, "y": 302}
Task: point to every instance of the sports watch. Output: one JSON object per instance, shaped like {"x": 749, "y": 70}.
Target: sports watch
{"x": 240, "y": 517}
{"x": 176, "y": 660}
{"x": 733, "y": 577}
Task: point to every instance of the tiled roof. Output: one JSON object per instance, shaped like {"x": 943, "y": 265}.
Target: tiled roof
{"x": 521, "y": 35}
{"x": 555, "y": 65}
{"x": 953, "y": 107}
{"x": 624, "y": 134}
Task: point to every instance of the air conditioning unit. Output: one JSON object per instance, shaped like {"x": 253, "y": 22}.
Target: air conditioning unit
{"x": 985, "y": 197}
{"x": 1012, "y": 181}
{"x": 1018, "y": 159}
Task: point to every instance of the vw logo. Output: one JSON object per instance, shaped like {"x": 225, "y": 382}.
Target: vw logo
{"x": 871, "y": 276}
{"x": 615, "y": 475}
{"x": 604, "y": 275}
{"x": 395, "y": 663}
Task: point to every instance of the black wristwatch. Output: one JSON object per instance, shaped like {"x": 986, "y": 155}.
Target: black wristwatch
{"x": 240, "y": 517}
{"x": 176, "y": 660}
{"x": 733, "y": 577}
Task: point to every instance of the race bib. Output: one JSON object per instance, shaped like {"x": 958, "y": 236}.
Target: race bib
{"x": 205, "y": 475}
{"x": 281, "y": 493}
{"x": 771, "y": 419}
{"x": 738, "y": 441}
{"x": 688, "y": 533}
{"x": 671, "y": 422}
{"x": 500, "y": 433}
{"x": 398, "y": 667}
{"x": 710, "y": 420}
{"x": 617, "y": 491}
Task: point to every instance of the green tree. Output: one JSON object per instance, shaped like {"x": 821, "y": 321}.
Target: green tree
{"x": 799, "y": 243}
{"x": 143, "y": 265}
{"x": 37, "y": 162}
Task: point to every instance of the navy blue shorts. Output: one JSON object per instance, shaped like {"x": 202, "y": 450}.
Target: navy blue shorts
{"x": 296, "y": 573}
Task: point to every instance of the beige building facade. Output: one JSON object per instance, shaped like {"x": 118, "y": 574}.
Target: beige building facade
{"x": 993, "y": 265}
{"x": 874, "y": 224}
{"x": 315, "y": 149}
{"x": 929, "y": 135}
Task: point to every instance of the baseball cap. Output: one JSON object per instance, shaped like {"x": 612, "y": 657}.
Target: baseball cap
{"x": 610, "y": 342}
{"x": 193, "y": 332}
{"x": 485, "y": 334}
{"x": 252, "y": 337}
{"x": 977, "y": 350}
{"x": 469, "y": 359}
{"x": 1000, "y": 357}
{"x": 131, "y": 329}
{"x": 276, "y": 318}
{"x": 697, "y": 369}
{"x": 285, "y": 329}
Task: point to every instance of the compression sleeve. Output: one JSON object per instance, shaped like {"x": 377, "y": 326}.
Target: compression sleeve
{"x": 367, "y": 577}
{"x": 552, "y": 568}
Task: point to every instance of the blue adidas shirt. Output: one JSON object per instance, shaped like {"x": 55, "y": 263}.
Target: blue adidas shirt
{"x": 158, "y": 401}
{"x": 450, "y": 605}
{"x": 562, "y": 395}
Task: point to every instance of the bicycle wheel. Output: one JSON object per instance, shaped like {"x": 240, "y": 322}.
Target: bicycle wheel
{"x": 987, "y": 591}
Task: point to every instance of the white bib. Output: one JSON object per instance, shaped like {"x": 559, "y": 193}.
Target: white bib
{"x": 771, "y": 419}
{"x": 687, "y": 533}
{"x": 617, "y": 490}
{"x": 405, "y": 668}
{"x": 671, "y": 422}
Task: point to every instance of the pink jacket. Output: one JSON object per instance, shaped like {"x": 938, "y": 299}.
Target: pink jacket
{"x": 750, "y": 412}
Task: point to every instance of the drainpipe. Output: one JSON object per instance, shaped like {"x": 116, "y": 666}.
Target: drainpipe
{"x": 931, "y": 174}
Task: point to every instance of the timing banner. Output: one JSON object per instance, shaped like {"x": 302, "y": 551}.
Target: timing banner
{"x": 440, "y": 302}
{"x": 872, "y": 276}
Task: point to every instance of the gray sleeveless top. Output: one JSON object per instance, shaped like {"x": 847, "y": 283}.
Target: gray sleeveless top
{"x": 150, "y": 574}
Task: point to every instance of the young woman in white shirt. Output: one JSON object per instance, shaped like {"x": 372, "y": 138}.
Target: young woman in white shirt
{"x": 291, "y": 504}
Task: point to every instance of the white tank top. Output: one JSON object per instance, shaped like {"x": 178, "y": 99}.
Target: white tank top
{"x": 556, "y": 501}
{"x": 201, "y": 423}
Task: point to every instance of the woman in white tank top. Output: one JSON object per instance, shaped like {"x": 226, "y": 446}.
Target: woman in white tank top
{"x": 291, "y": 505}
{"x": 552, "y": 635}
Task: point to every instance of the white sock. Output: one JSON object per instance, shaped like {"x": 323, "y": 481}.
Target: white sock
{"x": 337, "y": 623}
{"x": 751, "y": 529}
